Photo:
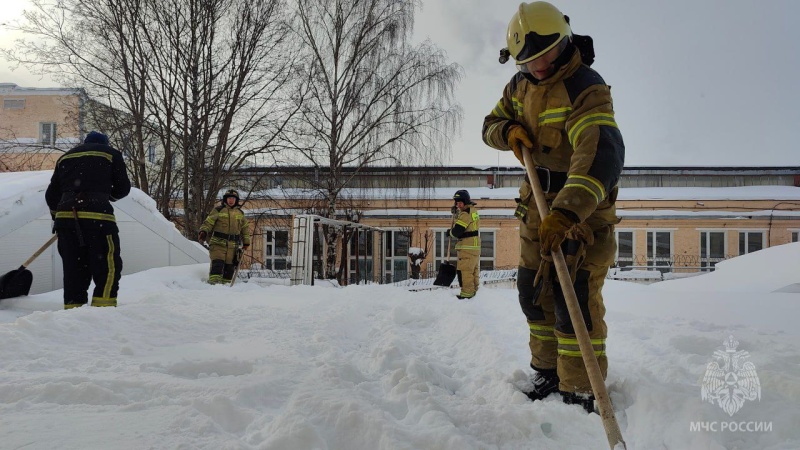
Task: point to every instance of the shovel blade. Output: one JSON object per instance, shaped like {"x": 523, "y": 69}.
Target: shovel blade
{"x": 16, "y": 283}
{"x": 446, "y": 275}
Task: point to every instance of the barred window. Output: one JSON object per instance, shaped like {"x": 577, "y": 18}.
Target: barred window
{"x": 14, "y": 103}
{"x": 47, "y": 133}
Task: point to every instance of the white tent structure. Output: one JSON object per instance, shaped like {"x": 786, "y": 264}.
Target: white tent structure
{"x": 147, "y": 239}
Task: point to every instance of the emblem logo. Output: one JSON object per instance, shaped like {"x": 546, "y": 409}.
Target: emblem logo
{"x": 730, "y": 379}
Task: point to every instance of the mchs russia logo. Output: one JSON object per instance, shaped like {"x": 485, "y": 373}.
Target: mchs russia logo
{"x": 730, "y": 379}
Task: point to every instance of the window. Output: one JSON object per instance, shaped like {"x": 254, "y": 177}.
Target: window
{"x": 712, "y": 248}
{"x": 127, "y": 147}
{"x": 361, "y": 250}
{"x": 659, "y": 249}
{"x": 487, "y": 259}
{"x": 750, "y": 241}
{"x": 625, "y": 246}
{"x": 14, "y": 103}
{"x": 151, "y": 152}
{"x": 440, "y": 251}
{"x": 276, "y": 249}
{"x": 794, "y": 236}
{"x": 396, "y": 255}
{"x": 47, "y": 133}
{"x": 487, "y": 250}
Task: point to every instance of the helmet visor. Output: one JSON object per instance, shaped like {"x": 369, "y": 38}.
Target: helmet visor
{"x": 551, "y": 56}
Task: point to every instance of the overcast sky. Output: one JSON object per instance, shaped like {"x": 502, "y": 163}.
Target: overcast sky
{"x": 703, "y": 82}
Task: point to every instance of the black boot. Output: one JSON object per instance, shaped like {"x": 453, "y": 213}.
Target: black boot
{"x": 584, "y": 400}
{"x": 545, "y": 382}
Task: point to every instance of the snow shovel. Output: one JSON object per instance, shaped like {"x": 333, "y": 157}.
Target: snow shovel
{"x": 447, "y": 271}
{"x": 18, "y": 282}
{"x": 610, "y": 424}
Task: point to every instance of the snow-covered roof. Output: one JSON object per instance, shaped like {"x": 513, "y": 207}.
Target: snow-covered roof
{"x": 711, "y": 193}
{"x": 710, "y": 214}
{"x": 482, "y": 193}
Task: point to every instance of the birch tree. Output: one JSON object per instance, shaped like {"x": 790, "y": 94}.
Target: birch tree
{"x": 374, "y": 97}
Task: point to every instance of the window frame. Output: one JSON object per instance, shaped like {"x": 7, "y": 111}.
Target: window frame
{"x": 633, "y": 246}
{"x": 653, "y": 264}
{"x": 390, "y": 258}
{"x": 7, "y": 103}
{"x": 483, "y": 259}
{"x": 747, "y": 233}
{"x": 151, "y": 152}
{"x": 367, "y": 272}
{"x": 707, "y": 263}
{"x": 270, "y": 243}
{"x": 53, "y": 133}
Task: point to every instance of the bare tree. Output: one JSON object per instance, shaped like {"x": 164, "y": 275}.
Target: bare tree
{"x": 373, "y": 97}
{"x": 205, "y": 80}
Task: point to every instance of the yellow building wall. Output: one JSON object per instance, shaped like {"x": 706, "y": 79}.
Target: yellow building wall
{"x": 24, "y": 123}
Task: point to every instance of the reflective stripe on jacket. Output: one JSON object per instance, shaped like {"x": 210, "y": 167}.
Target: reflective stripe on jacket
{"x": 229, "y": 221}
{"x": 570, "y": 118}
{"x": 467, "y": 230}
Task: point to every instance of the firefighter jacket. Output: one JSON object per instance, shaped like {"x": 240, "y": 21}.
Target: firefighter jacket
{"x": 84, "y": 183}
{"x": 227, "y": 226}
{"x": 570, "y": 118}
{"x": 467, "y": 230}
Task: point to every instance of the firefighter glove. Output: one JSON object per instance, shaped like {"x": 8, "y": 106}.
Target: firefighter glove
{"x": 201, "y": 237}
{"x": 517, "y": 138}
{"x": 553, "y": 231}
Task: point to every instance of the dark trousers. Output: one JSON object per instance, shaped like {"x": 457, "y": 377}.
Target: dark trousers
{"x": 221, "y": 272}
{"x": 97, "y": 259}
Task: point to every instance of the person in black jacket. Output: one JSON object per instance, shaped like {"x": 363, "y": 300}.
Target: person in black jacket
{"x": 85, "y": 182}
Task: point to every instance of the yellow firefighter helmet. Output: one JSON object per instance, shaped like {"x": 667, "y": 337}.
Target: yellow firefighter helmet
{"x": 535, "y": 29}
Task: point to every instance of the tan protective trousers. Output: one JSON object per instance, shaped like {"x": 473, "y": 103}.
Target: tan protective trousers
{"x": 552, "y": 338}
{"x": 468, "y": 272}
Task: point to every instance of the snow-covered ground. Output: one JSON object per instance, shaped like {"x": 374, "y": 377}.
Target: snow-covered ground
{"x": 184, "y": 365}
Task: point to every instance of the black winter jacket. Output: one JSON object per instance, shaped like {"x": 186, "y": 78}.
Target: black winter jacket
{"x": 85, "y": 182}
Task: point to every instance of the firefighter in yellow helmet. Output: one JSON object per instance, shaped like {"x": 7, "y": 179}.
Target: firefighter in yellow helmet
{"x": 467, "y": 230}
{"x": 561, "y": 109}
{"x": 226, "y": 229}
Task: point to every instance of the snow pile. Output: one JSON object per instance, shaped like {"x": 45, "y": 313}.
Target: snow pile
{"x": 181, "y": 364}
{"x": 766, "y": 270}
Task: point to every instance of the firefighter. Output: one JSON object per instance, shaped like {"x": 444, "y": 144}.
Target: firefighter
{"x": 560, "y": 108}
{"x": 85, "y": 182}
{"x": 466, "y": 230}
{"x": 227, "y": 230}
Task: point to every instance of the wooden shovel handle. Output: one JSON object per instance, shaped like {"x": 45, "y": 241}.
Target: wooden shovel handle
{"x": 39, "y": 252}
{"x": 610, "y": 424}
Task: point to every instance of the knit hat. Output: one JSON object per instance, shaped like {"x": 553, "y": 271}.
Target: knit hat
{"x": 95, "y": 137}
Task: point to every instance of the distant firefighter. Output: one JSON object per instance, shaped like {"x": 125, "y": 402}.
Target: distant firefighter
{"x": 467, "y": 230}
{"x": 228, "y": 234}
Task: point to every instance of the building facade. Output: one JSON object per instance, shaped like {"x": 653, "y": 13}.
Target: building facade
{"x": 683, "y": 219}
{"x": 37, "y": 125}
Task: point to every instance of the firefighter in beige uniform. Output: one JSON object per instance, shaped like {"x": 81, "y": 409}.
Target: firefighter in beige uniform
{"x": 562, "y": 110}
{"x": 466, "y": 230}
{"x": 226, "y": 229}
